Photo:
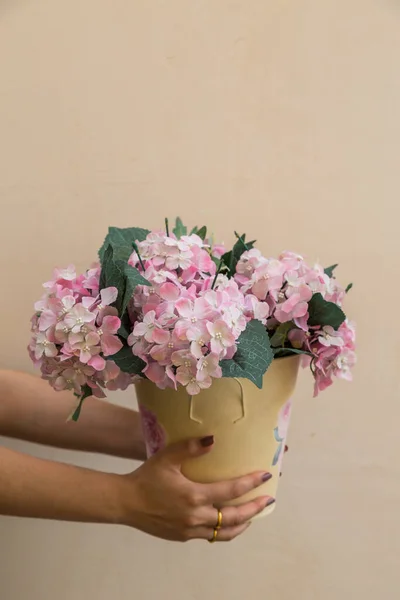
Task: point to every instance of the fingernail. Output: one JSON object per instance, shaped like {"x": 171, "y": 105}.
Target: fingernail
{"x": 270, "y": 501}
{"x": 266, "y": 476}
{"x": 280, "y": 474}
{"x": 207, "y": 441}
{"x": 286, "y": 448}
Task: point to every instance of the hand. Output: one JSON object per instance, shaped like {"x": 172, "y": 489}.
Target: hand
{"x": 160, "y": 501}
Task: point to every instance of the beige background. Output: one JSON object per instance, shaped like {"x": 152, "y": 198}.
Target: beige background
{"x": 280, "y": 119}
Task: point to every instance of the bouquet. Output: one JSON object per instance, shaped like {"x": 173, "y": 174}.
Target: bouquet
{"x": 180, "y": 310}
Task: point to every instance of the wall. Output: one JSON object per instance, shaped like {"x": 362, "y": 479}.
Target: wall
{"x": 277, "y": 118}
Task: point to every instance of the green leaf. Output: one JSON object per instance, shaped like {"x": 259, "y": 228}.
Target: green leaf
{"x": 126, "y": 326}
{"x": 280, "y": 335}
{"x": 112, "y": 275}
{"x": 232, "y": 257}
{"x": 253, "y": 356}
{"x": 202, "y": 233}
{"x": 106, "y": 262}
{"x": 349, "y": 287}
{"x": 121, "y": 240}
{"x": 179, "y": 229}
{"x": 86, "y": 392}
{"x": 282, "y": 352}
{"x": 324, "y": 313}
{"x": 228, "y": 260}
{"x": 117, "y": 273}
{"x": 133, "y": 279}
{"x": 194, "y": 230}
{"x": 127, "y": 362}
{"x": 329, "y": 270}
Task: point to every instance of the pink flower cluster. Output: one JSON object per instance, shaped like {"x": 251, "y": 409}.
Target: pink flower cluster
{"x": 334, "y": 353}
{"x": 73, "y": 329}
{"x": 187, "y": 320}
{"x": 183, "y": 328}
{"x": 287, "y": 285}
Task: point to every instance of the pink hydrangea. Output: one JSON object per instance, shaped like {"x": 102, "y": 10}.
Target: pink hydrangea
{"x": 74, "y": 330}
{"x": 187, "y": 320}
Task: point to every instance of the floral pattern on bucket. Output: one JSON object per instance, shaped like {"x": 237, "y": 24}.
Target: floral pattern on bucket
{"x": 154, "y": 434}
{"x": 280, "y": 432}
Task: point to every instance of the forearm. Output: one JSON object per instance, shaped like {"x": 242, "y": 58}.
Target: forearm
{"x": 31, "y": 487}
{"x": 31, "y": 410}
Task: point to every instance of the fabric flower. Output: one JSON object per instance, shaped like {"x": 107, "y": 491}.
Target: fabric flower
{"x": 146, "y": 327}
{"x": 78, "y": 316}
{"x": 109, "y": 342}
{"x": 267, "y": 278}
{"x": 87, "y": 345}
{"x": 44, "y": 347}
{"x": 208, "y": 366}
{"x": 295, "y": 306}
{"x": 163, "y": 377}
{"x": 330, "y": 337}
{"x": 190, "y": 312}
{"x": 198, "y": 337}
{"x": 221, "y": 336}
{"x": 254, "y": 309}
{"x": 187, "y": 320}
{"x": 162, "y": 352}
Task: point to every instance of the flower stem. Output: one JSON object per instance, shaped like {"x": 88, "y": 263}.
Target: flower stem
{"x": 136, "y": 249}
{"x": 216, "y": 274}
{"x": 167, "y": 227}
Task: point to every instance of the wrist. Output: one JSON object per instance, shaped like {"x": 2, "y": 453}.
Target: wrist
{"x": 109, "y": 499}
{"x": 125, "y": 436}
{"x": 133, "y": 434}
{"x": 125, "y": 493}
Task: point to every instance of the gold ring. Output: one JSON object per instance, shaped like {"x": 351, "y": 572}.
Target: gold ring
{"x": 219, "y": 521}
{"x": 214, "y": 537}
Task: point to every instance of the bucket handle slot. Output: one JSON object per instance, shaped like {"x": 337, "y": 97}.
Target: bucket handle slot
{"x": 192, "y": 417}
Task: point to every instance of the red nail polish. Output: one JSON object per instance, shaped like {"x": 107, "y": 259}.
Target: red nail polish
{"x": 207, "y": 441}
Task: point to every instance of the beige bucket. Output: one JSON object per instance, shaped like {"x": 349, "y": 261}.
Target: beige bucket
{"x": 249, "y": 425}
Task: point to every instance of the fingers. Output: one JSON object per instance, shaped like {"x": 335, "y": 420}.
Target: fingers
{"x": 202, "y": 524}
{"x": 175, "y": 454}
{"x": 221, "y": 492}
{"x": 235, "y": 520}
{"x": 224, "y": 535}
{"x": 234, "y": 516}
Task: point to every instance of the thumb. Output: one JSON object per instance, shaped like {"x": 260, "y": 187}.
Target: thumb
{"x": 177, "y": 453}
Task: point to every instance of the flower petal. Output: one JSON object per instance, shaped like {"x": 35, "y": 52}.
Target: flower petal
{"x": 110, "y": 344}
{"x": 110, "y": 324}
{"x": 108, "y": 295}
{"x": 97, "y": 362}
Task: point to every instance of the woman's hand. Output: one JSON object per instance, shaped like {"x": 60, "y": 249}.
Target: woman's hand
{"x": 156, "y": 499}
{"x": 160, "y": 501}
